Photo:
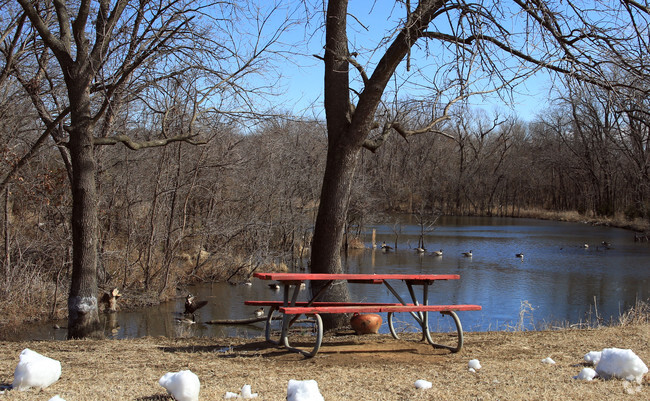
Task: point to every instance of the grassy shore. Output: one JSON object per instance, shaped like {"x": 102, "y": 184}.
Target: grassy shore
{"x": 348, "y": 367}
{"x": 619, "y": 220}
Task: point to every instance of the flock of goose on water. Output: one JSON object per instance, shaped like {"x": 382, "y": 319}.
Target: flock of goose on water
{"x": 387, "y": 248}
{"x": 192, "y": 305}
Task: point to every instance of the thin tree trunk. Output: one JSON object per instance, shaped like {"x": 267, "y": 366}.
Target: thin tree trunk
{"x": 7, "y": 217}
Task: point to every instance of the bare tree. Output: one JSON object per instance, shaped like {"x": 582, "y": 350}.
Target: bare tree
{"x": 471, "y": 51}
{"x": 109, "y": 54}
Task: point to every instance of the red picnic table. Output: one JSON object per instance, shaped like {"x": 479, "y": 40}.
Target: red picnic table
{"x": 291, "y": 309}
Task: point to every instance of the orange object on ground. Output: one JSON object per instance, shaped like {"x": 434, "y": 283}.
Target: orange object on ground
{"x": 367, "y": 323}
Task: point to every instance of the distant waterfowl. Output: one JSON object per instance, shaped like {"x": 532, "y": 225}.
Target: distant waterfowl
{"x": 259, "y": 312}
{"x": 437, "y": 253}
{"x": 420, "y": 250}
{"x": 467, "y": 254}
{"x": 386, "y": 247}
{"x": 274, "y": 286}
{"x": 192, "y": 306}
{"x": 606, "y": 244}
{"x": 519, "y": 255}
{"x": 586, "y": 246}
{"x": 247, "y": 282}
{"x": 109, "y": 300}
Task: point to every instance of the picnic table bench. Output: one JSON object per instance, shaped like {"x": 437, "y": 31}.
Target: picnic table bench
{"x": 290, "y": 308}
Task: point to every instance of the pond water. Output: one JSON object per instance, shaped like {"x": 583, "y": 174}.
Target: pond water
{"x": 558, "y": 281}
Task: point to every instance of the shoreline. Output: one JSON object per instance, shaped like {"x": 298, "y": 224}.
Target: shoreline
{"x": 134, "y": 300}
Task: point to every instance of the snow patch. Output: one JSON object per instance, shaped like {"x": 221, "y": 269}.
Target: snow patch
{"x": 474, "y": 364}
{"x": 621, "y": 364}
{"x": 423, "y": 384}
{"x": 303, "y": 390}
{"x": 586, "y": 374}
{"x": 35, "y": 370}
{"x": 183, "y": 385}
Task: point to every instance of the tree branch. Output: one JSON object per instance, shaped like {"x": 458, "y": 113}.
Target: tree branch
{"x": 136, "y": 145}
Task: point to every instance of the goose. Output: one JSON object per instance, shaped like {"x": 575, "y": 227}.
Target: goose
{"x": 109, "y": 300}
{"x": 183, "y": 385}
{"x": 467, "y": 254}
{"x": 437, "y": 253}
{"x": 192, "y": 306}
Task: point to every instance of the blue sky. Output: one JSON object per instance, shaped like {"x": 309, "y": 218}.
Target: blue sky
{"x": 302, "y": 81}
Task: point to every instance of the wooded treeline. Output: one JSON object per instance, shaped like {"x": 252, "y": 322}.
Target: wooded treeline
{"x": 184, "y": 212}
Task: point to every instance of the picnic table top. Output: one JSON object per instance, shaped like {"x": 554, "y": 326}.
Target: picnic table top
{"x": 354, "y": 276}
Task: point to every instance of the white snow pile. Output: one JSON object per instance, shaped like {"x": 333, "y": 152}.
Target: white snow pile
{"x": 592, "y": 357}
{"x": 586, "y": 374}
{"x": 246, "y": 393}
{"x": 614, "y": 363}
{"x": 548, "y": 361}
{"x": 183, "y": 385}
{"x": 423, "y": 384}
{"x": 303, "y": 390}
{"x": 474, "y": 365}
{"x": 35, "y": 370}
{"x": 621, "y": 364}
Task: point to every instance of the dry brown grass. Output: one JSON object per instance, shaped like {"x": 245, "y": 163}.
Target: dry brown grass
{"x": 348, "y": 367}
{"x": 619, "y": 220}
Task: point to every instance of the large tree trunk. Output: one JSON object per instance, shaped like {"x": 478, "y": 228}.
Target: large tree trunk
{"x": 330, "y": 223}
{"x": 83, "y": 317}
{"x": 342, "y": 156}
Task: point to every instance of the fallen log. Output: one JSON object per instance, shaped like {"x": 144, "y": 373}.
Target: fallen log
{"x": 237, "y": 321}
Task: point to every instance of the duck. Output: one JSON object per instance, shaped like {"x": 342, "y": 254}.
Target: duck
{"x": 420, "y": 250}
{"x": 259, "y": 312}
{"x": 183, "y": 385}
{"x": 519, "y": 255}
{"x": 109, "y": 300}
{"x": 586, "y": 246}
{"x": 437, "y": 253}
{"x": 274, "y": 286}
{"x": 606, "y": 244}
{"x": 467, "y": 254}
{"x": 35, "y": 370}
{"x": 386, "y": 247}
{"x": 192, "y": 306}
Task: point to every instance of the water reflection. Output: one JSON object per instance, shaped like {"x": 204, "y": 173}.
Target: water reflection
{"x": 560, "y": 279}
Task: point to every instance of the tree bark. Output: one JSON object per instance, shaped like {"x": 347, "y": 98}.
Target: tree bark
{"x": 83, "y": 316}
